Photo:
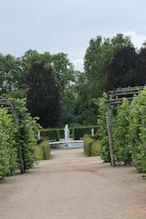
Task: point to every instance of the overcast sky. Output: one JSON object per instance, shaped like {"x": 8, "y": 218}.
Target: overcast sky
{"x": 67, "y": 25}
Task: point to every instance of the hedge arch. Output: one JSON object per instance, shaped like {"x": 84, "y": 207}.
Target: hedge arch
{"x": 12, "y": 108}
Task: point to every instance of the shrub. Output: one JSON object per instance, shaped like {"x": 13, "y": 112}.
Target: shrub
{"x": 79, "y": 132}
{"x": 39, "y": 152}
{"x": 95, "y": 149}
{"x": 43, "y": 150}
{"x": 87, "y": 145}
{"x": 8, "y": 149}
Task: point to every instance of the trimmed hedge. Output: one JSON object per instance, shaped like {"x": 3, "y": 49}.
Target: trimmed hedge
{"x": 75, "y": 133}
{"x": 79, "y": 132}
{"x": 87, "y": 145}
{"x": 95, "y": 149}
{"x": 43, "y": 151}
{"x": 50, "y": 134}
{"x": 91, "y": 146}
{"x": 54, "y": 134}
{"x": 61, "y": 133}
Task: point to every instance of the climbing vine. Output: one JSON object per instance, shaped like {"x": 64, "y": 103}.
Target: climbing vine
{"x": 15, "y": 136}
{"x": 137, "y": 130}
{"x": 128, "y": 131}
{"x": 102, "y": 130}
{"x": 8, "y": 149}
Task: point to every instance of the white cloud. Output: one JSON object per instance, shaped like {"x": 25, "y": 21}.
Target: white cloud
{"x": 136, "y": 38}
{"x": 78, "y": 63}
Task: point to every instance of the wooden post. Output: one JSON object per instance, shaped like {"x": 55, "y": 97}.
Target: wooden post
{"x": 19, "y": 147}
{"x": 144, "y": 125}
{"x": 110, "y": 137}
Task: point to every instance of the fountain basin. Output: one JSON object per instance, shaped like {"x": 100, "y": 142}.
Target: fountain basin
{"x": 67, "y": 144}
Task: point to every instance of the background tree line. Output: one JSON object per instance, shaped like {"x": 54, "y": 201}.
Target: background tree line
{"x": 57, "y": 93}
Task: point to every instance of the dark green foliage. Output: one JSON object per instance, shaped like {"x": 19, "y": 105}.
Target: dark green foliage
{"x": 40, "y": 141}
{"x": 54, "y": 134}
{"x": 50, "y": 134}
{"x": 43, "y": 97}
{"x": 61, "y": 133}
{"x": 124, "y": 70}
{"x": 43, "y": 151}
{"x": 79, "y": 132}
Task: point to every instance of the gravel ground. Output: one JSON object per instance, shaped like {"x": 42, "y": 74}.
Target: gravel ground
{"x": 72, "y": 186}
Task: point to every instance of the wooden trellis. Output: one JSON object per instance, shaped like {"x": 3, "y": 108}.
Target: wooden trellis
{"x": 115, "y": 97}
{"x": 12, "y": 108}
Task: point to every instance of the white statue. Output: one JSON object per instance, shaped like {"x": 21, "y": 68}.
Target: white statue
{"x": 92, "y": 132}
{"x": 39, "y": 136}
{"x": 66, "y": 132}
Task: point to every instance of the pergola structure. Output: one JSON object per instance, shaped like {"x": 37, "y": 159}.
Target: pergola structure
{"x": 13, "y": 109}
{"x": 115, "y": 97}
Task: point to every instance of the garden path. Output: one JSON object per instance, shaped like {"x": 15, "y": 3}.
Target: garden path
{"x": 72, "y": 186}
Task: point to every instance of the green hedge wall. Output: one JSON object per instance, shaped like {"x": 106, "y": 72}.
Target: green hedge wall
{"x": 51, "y": 134}
{"x": 79, "y": 132}
{"x": 61, "y": 133}
{"x": 75, "y": 133}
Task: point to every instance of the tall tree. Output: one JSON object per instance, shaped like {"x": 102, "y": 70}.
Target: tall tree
{"x": 99, "y": 52}
{"x": 62, "y": 75}
{"x": 84, "y": 110}
{"x": 62, "y": 68}
{"x": 43, "y": 98}
{"x": 141, "y": 66}
{"x": 122, "y": 70}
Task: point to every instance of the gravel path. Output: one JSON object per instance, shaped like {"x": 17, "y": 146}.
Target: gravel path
{"x": 71, "y": 186}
